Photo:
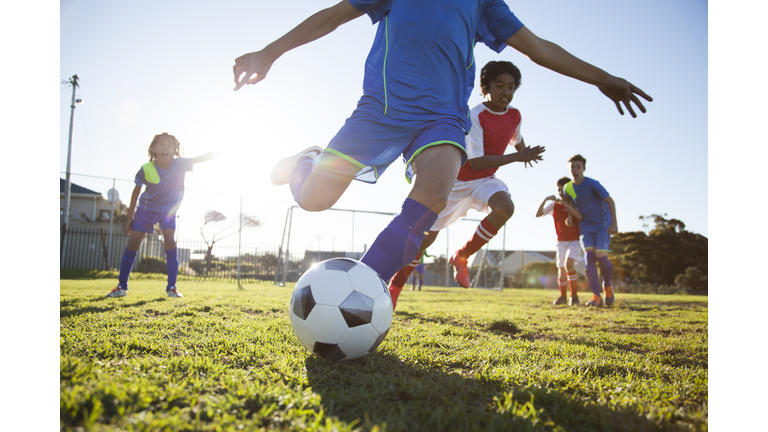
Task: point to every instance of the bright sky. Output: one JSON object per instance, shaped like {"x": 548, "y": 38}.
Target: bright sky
{"x": 146, "y": 67}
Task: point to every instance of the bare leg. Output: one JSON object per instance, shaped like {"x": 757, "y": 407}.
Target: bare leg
{"x": 330, "y": 177}
{"x": 435, "y": 171}
{"x": 502, "y": 209}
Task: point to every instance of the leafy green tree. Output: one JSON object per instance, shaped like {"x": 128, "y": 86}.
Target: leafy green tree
{"x": 662, "y": 254}
{"x": 693, "y": 278}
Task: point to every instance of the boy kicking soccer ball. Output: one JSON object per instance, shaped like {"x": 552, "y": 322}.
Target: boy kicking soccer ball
{"x": 163, "y": 176}
{"x": 568, "y": 248}
{"x": 418, "y": 75}
{"x": 597, "y": 223}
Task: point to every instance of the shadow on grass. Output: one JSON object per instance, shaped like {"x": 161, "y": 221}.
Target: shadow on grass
{"x": 69, "y": 308}
{"x": 382, "y": 389}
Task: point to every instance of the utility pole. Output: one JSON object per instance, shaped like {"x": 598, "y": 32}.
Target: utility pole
{"x": 72, "y": 81}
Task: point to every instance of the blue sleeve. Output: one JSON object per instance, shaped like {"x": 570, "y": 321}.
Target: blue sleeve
{"x": 185, "y": 164}
{"x": 497, "y": 25}
{"x": 139, "y": 179}
{"x": 375, "y": 9}
{"x": 599, "y": 190}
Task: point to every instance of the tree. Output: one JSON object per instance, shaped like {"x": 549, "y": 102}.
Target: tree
{"x": 269, "y": 262}
{"x": 667, "y": 251}
{"x": 693, "y": 278}
{"x": 211, "y": 219}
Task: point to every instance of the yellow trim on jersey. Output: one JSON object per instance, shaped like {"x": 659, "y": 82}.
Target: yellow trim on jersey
{"x": 150, "y": 173}
{"x": 418, "y": 152}
{"x": 384, "y": 71}
{"x": 568, "y": 189}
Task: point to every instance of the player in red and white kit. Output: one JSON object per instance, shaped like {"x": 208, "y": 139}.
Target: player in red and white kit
{"x": 568, "y": 247}
{"x": 495, "y": 125}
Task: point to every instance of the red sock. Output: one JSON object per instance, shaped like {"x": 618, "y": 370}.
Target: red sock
{"x": 573, "y": 282}
{"x": 401, "y": 277}
{"x": 563, "y": 284}
{"x": 484, "y": 233}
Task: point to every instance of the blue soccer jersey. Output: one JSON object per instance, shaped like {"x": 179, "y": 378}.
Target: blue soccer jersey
{"x": 163, "y": 194}
{"x": 421, "y": 65}
{"x": 589, "y": 197}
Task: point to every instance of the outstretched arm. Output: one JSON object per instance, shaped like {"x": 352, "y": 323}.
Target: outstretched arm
{"x": 206, "y": 157}
{"x": 253, "y": 67}
{"x": 526, "y": 155}
{"x": 552, "y": 56}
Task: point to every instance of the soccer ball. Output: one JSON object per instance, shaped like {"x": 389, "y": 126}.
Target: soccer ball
{"x": 341, "y": 309}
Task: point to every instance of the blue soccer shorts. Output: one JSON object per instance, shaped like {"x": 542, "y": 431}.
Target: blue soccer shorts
{"x": 145, "y": 221}
{"x": 372, "y": 141}
{"x": 595, "y": 238}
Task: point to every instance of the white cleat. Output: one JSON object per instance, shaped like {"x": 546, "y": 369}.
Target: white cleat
{"x": 281, "y": 173}
{"x": 118, "y": 292}
{"x": 173, "y": 292}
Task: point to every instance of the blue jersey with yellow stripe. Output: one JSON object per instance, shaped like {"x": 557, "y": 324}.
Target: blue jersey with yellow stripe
{"x": 421, "y": 65}
{"x": 164, "y": 187}
{"x": 589, "y": 196}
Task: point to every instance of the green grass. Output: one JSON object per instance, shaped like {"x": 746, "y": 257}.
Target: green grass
{"x": 224, "y": 358}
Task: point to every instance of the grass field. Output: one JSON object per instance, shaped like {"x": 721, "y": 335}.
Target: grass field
{"x": 224, "y": 358}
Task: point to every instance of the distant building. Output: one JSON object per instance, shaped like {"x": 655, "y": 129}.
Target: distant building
{"x": 87, "y": 208}
{"x": 515, "y": 260}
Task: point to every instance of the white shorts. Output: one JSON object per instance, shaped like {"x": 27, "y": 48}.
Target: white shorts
{"x": 568, "y": 249}
{"x": 465, "y": 195}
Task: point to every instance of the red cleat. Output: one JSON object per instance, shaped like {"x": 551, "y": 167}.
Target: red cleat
{"x": 460, "y": 272}
{"x": 394, "y": 292}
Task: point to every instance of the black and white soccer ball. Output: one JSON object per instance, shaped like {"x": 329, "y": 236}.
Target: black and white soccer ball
{"x": 341, "y": 309}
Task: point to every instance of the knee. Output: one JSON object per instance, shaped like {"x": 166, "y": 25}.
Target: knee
{"x": 570, "y": 266}
{"x": 591, "y": 259}
{"x": 507, "y": 208}
{"x": 435, "y": 201}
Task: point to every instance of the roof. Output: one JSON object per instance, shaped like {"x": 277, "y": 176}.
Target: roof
{"x": 76, "y": 189}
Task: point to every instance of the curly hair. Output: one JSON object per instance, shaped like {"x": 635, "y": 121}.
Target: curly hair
{"x": 178, "y": 150}
{"x": 493, "y": 69}
{"x": 563, "y": 181}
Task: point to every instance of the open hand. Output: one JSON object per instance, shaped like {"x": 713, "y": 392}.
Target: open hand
{"x": 621, "y": 91}
{"x": 531, "y": 154}
{"x": 251, "y": 68}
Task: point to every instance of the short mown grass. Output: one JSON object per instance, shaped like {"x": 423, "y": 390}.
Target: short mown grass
{"x": 225, "y": 358}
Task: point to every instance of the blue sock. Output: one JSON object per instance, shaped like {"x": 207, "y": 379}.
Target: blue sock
{"x": 171, "y": 266}
{"x": 125, "y": 267}
{"x": 606, "y": 270}
{"x": 398, "y": 244}
{"x": 299, "y": 175}
{"x": 594, "y": 281}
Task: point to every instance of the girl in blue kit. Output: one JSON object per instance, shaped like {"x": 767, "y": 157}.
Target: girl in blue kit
{"x": 163, "y": 176}
{"x": 418, "y": 77}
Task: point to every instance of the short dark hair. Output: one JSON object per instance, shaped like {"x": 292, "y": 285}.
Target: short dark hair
{"x": 563, "y": 181}
{"x": 578, "y": 157}
{"x": 493, "y": 69}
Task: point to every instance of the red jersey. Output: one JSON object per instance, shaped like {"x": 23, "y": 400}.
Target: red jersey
{"x": 560, "y": 214}
{"x": 491, "y": 133}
